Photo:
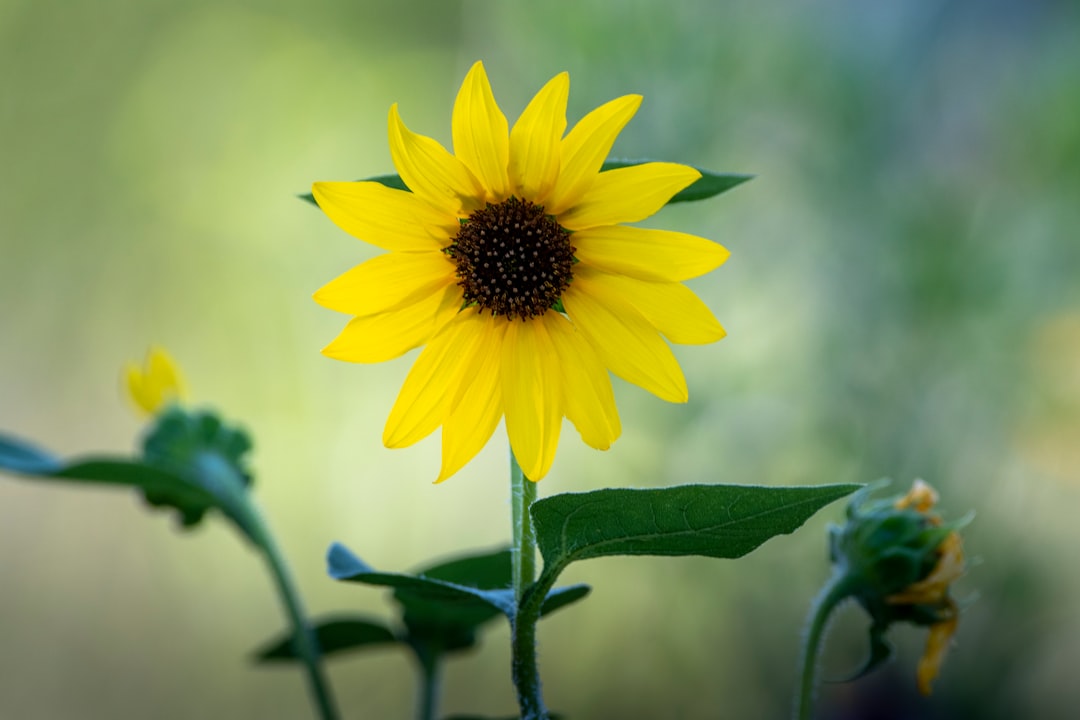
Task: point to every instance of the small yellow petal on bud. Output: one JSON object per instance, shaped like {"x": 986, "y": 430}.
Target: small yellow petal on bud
{"x": 157, "y": 384}
{"x": 921, "y": 497}
{"x": 937, "y": 644}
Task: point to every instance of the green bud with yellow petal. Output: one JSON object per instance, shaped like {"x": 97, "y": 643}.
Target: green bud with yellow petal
{"x": 898, "y": 560}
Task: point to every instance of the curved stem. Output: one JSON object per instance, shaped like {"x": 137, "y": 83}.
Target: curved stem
{"x": 835, "y": 590}
{"x": 524, "y": 669}
{"x": 303, "y": 638}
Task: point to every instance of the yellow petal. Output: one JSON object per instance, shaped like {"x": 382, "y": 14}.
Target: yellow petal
{"x": 623, "y": 339}
{"x": 628, "y": 194}
{"x": 387, "y": 282}
{"x": 590, "y": 403}
{"x": 532, "y": 396}
{"x": 157, "y": 383}
{"x": 480, "y": 134}
{"x": 386, "y": 217}
{"x": 585, "y": 148}
{"x": 534, "y": 141}
{"x": 937, "y": 644}
{"x": 648, "y": 254}
{"x": 922, "y": 497}
{"x": 387, "y": 335}
{"x": 671, "y": 307}
{"x": 436, "y": 176}
{"x": 427, "y": 397}
{"x": 479, "y": 407}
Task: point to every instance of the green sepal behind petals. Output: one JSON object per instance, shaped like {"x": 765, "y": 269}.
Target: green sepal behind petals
{"x": 391, "y": 181}
{"x": 710, "y": 184}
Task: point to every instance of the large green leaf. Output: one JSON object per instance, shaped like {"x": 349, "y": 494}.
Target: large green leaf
{"x": 721, "y": 521}
{"x": 710, "y": 184}
{"x": 335, "y": 636}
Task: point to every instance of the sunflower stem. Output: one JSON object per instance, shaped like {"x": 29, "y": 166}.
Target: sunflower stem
{"x": 834, "y": 592}
{"x": 525, "y": 671}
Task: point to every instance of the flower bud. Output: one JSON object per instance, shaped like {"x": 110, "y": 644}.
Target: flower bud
{"x": 898, "y": 559}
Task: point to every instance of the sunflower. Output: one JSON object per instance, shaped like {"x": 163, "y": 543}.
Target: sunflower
{"x": 510, "y": 261}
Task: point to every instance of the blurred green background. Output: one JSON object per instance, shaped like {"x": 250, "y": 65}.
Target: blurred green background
{"x": 903, "y": 300}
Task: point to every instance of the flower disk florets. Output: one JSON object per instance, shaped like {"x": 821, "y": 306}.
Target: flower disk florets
{"x": 512, "y": 259}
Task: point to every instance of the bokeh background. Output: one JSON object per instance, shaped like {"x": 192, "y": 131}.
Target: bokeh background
{"x": 902, "y": 300}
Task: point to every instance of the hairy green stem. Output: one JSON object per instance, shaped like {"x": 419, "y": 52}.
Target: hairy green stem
{"x": 524, "y": 669}
{"x": 831, "y": 595}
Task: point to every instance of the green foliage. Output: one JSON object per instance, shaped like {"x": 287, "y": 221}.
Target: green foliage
{"x": 463, "y": 592}
{"x": 721, "y": 521}
{"x": 708, "y": 185}
{"x": 159, "y": 487}
{"x": 334, "y": 635}
{"x": 456, "y": 603}
{"x": 191, "y": 463}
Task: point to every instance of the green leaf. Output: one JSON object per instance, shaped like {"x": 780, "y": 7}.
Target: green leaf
{"x": 22, "y": 458}
{"x": 335, "y": 636}
{"x": 345, "y": 566}
{"x": 203, "y": 481}
{"x": 561, "y": 597}
{"x": 880, "y": 652}
{"x": 390, "y": 181}
{"x": 721, "y": 521}
{"x": 444, "y": 604}
{"x": 709, "y": 185}
{"x": 160, "y": 487}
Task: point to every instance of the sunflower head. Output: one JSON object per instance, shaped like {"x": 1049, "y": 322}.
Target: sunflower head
{"x": 511, "y": 262}
{"x": 900, "y": 560}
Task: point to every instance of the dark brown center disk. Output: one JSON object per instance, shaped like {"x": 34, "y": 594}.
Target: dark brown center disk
{"x": 512, "y": 259}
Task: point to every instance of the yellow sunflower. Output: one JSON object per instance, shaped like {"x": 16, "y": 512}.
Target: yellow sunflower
{"x": 509, "y": 259}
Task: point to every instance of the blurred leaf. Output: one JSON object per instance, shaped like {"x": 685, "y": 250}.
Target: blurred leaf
{"x": 23, "y": 458}
{"x": 709, "y": 185}
{"x": 191, "y": 489}
{"x": 880, "y": 652}
{"x": 721, "y": 521}
{"x": 334, "y": 635}
{"x": 160, "y": 487}
{"x": 344, "y": 566}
